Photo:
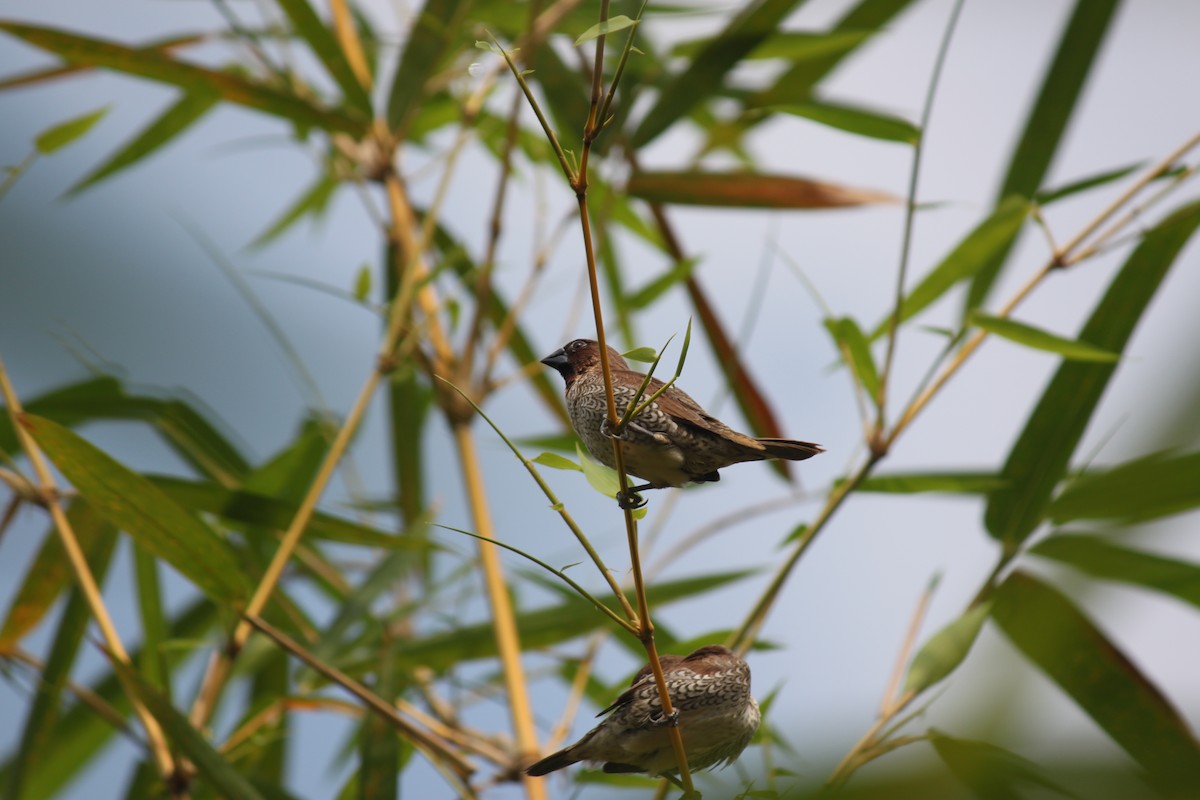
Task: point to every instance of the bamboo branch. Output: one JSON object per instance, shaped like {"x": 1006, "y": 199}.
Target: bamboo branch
{"x": 48, "y": 490}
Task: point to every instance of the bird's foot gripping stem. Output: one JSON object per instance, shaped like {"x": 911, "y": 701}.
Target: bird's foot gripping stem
{"x": 630, "y": 500}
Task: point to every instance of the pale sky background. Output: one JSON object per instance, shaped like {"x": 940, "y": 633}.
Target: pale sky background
{"x": 116, "y": 272}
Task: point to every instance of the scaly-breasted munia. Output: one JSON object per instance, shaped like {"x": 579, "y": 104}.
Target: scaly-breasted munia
{"x": 710, "y": 690}
{"x": 673, "y": 441}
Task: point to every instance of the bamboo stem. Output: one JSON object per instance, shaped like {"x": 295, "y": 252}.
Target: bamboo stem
{"x": 508, "y": 644}
{"x": 48, "y": 489}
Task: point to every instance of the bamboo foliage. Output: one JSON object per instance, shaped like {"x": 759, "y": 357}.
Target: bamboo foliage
{"x": 299, "y": 605}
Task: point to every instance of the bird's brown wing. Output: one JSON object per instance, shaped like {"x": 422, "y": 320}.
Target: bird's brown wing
{"x": 679, "y": 405}
{"x": 643, "y": 676}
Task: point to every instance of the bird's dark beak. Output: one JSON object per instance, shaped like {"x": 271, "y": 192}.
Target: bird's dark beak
{"x": 558, "y": 360}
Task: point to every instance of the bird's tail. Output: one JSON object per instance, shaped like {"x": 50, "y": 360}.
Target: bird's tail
{"x": 790, "y": 449}
{"x": 552, "y": 763}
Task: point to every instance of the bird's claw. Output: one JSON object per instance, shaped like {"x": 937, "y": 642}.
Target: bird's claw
{"x": 630, "y": 500}
{"x": 670, "y": 720}
{"x": 606, "y": 431}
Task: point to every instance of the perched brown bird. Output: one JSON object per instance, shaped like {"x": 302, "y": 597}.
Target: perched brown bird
{"x": 673, "y": 442}
{"x": 710, "y": 690}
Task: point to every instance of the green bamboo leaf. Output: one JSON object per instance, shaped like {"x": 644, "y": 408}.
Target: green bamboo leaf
{"x": 63, "y": 134}
{"x": 313, "y": 202}
{"x": 37, "y": 735}
{"x": 861, "y": 121}
{"x": 379, "y": 746}
{"x": 918, "y": 482}
{"x": 153, "y": 663}
{"x": 263, "y": 758}
{"x": 157, "y": 65}
{"x": 991, "y": 772}
{"x": 1048, "y": 196}
{"x": 251, "y": 508}
{"x": 174, "y": 121}
{"x": 852, "y": 344}
{"x": 1103, "y": 559}
{"x": 646, "y": 355}
{"x": 362, "y": 283}
{"x": 555, "y": 461}
{"x": 50, "y": 574}
{"x": 80, "y": 733}
{"x": 864, "y": 20}
{"x": 1053, "y": 634}
{"x": 610, "y": 25}
{"x": 945, "y": 650}
{"x": 208, "y": 761}
{"x": 428, "y": 41}
{"x": 1039, "y": 339}
{"x": 705, "y": 74}
{"x": 133, "y": 504}
{"x": 540, "y": 628}
{"x": 747, "y": 190}
{"x": 1057, "y": 100}
{"x": 988, "y": 238}
{"x": 1039, "y": 459}
{"x": 788, "y": 45}
{"x": 1156, "y": 486}
{"x": 185, "y": 430}
{"x": 306, "y": 23}
{"x": 646, "y": 295}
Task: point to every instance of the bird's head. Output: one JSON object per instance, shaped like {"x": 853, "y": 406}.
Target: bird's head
{"x": 580, "y": 355}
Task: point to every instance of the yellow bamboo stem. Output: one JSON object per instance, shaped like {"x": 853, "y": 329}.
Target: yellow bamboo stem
{"x": 508, "y": 643}
{"x": 48, "y": 489}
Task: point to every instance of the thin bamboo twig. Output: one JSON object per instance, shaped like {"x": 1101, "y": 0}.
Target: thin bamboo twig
{"x": 558, "y": 506}
{"x": 878, "y": 438}
{"x": 910, "y": 639}
{"x": 48, "y": 489}
{"x": 432, "y": 745}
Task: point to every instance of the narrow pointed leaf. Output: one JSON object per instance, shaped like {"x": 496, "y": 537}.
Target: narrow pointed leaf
{"x": 991, "y": 772}
{"x": 646, "y": 355}
{"x": 852, "y": 344}
{"x": 135, "y": 505}
{"x": 1101, "y": 558}
{"x": 945, "y": 650}
{"x": 864, "y": 20}
{"x": 188, "y": 432}
{"x": 610, "y": 25}
{"x": 158, "y": 66}
{"x": 788, "y": 45}
{"x": 61, "y": 135}
{"x": 80, "y": 733}
{"x": 208, "y": 761}
{"x": 555, "y": 461}
{"x": 45, "y": 708}
{"x": 918, "y": 482}
{"x": 706, "y": 73}
{"x": 1057, "y": 100}
{"x": 1039, "y": 459}
{"x": 312, "y": 203}
{"x": 321, "y": 39}
{"x": 50, "y": 574}
{"x": 861, "y": 121}
{"x": 436, "y": 26}
{"x": 987, "y": 238}
{"x": 1039, "y": 339}
{"x": 1052, "y": 633}
{"x": 1048, "y": 196}
{"x": 174, "y": 121}
{"x": 1156, "y": 486}
{"x": 646, "y": 295}
{"x": 748, "y": 190}
{"x": 252, "y": 508}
